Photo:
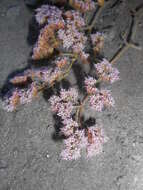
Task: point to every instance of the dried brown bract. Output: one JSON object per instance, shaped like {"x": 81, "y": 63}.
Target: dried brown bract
{"x": 17, "y": 80}
{"x": 47, "y": 42}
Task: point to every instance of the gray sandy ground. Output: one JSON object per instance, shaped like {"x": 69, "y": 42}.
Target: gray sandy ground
{"x": 29, "y": 156}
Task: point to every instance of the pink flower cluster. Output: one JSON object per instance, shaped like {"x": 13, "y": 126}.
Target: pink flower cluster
{"x": 96, "y": 139}
{"x": 90, "y": 139}
{"x": 106, "y": 72}
{"x": 101, "y": 100}
{"x": 63, "y": 104}
{"x": 19, "y": 96}
{"x": 98, "y": 99}
{"x": 69, "y": 33}
{"x": 73, "y": 146}
{"x": 69, "y": 126}
{"x": 39, "y": 78}
{"x": 49, "y": 15}
{"x": 90, "y": 85}
{"x": 72, "y": 38}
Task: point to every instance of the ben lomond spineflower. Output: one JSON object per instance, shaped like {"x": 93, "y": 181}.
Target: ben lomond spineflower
{"x": 63, "y": 41}
{"x": 34, "y": 80}
{"x": 106, "y": 72}
{"x": 77, "y": 138}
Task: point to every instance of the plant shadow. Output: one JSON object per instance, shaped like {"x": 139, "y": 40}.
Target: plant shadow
{"x": 57, "y": 135}
{"x": 33, "y": 31}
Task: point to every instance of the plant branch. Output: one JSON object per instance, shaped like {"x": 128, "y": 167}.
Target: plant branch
{"x": 70, "y": 54}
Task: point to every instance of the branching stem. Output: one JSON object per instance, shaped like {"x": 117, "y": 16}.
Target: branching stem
{"x": 128, "y": 41}
{"x": 96, "y": 15}
{"x": 80, "y": 107}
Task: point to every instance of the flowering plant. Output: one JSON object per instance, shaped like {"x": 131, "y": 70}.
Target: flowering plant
{"x": 64, "y": 39}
